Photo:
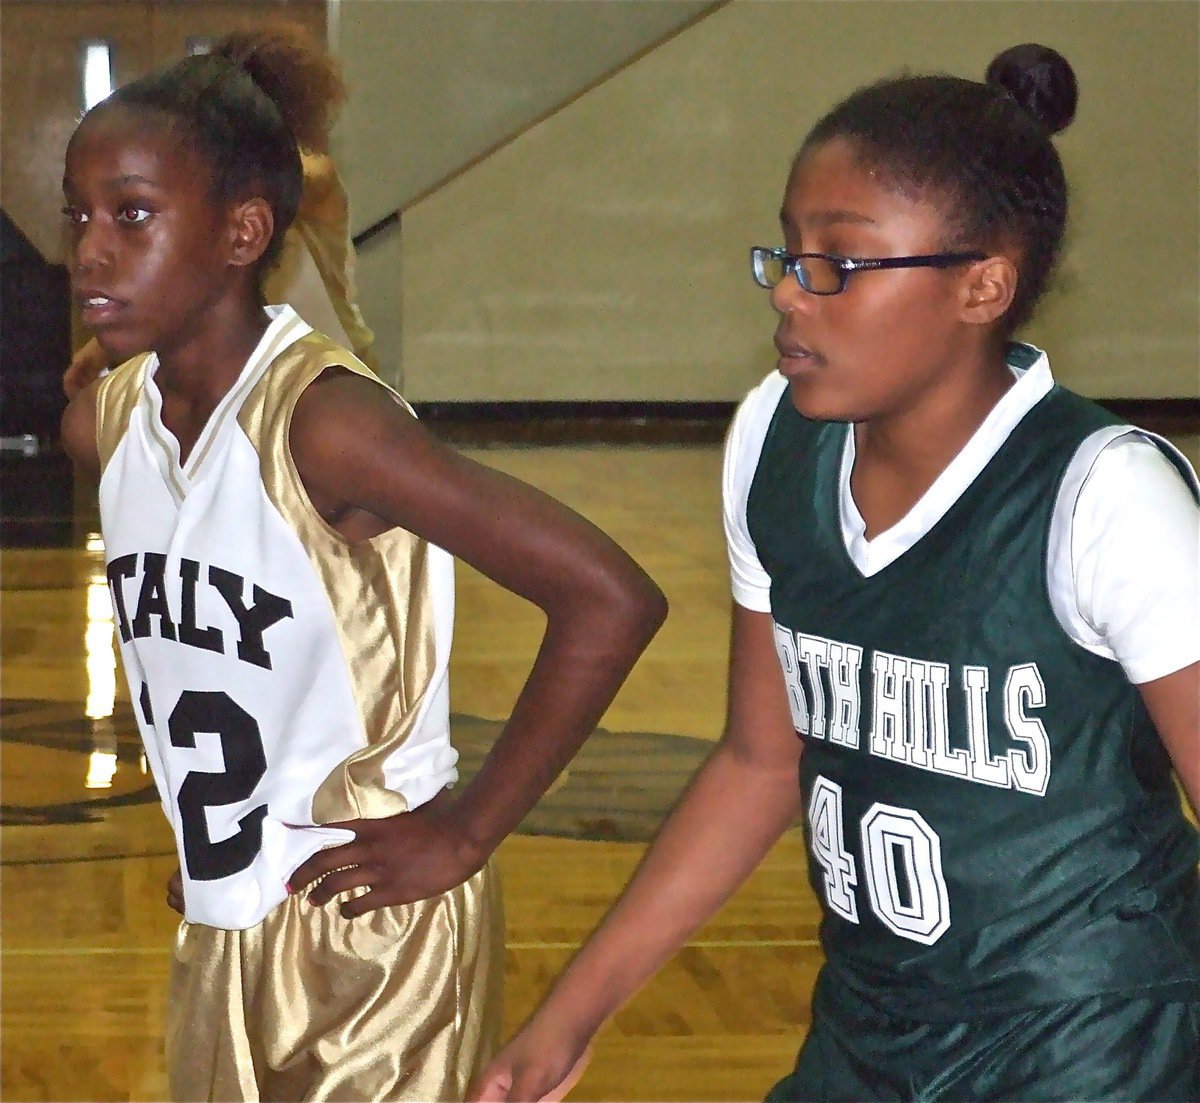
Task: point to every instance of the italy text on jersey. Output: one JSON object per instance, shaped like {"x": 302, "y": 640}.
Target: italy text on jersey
{"x": 147, "y": 575}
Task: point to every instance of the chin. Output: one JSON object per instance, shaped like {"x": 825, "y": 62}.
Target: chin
{"x": 812, "y": 403}
{"x": 116, "y": 349}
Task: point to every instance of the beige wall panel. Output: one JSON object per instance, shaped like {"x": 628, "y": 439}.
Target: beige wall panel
{"x": 602, "y": 255}
{"x": 435, "y": 85}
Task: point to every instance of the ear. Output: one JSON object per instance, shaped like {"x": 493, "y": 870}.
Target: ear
{"x": 251, "y": 224}
{"x": 988, "y": 290}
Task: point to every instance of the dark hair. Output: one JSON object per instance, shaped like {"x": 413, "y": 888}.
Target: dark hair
{"x": 248, "y": 107}
{"x": 982, "y": 148}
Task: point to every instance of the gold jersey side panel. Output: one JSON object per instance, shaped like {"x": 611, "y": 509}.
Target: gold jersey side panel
{"x": 404, "y": 1002}
{"x": 377, "y": 591}
{"x": 117, "y": 395}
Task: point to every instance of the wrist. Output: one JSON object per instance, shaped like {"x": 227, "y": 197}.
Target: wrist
{"x": 471, "y": 846}
{"x": 581, "y": 1001}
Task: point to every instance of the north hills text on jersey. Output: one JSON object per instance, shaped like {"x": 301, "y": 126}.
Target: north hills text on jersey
{"x": 909, "y": 719}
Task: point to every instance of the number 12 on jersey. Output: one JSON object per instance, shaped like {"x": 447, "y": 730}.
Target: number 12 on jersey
{"x": 902, "y": 864}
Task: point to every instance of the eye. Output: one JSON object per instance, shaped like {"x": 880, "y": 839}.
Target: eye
{"x": 74, "y": 215}
{"x": 133, "y": 214}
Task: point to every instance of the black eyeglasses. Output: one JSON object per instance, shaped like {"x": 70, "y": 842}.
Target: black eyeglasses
{"x": 826, "y": 274}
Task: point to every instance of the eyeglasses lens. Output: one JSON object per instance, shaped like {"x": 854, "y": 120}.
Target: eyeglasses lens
{"x": 816, "y": 274}
{"x": 769, "y": 270}
{"x": 820, "y": 276}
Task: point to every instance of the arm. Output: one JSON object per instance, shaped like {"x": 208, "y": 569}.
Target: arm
{"x": 1135, "y": 582}
{"x": 78, "y": 430}
{"x": 368, "y": 466}
{"x": 1173, "y": 702}
{"x": 735, "y": 808}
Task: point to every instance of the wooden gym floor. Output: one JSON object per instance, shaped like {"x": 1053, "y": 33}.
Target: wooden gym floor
{"x": 86, "y": 853}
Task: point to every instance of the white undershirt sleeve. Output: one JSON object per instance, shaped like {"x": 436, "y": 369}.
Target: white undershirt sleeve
{"x": 750, "y": 582}
{"x": 1124, "y": 555}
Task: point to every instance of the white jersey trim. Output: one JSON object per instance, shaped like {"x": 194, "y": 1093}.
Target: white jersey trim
{"x": 872, "y": 556}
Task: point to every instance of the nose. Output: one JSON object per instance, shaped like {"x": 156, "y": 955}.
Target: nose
{"x": 91, "y": 247}
{"x": 787, "y": 295}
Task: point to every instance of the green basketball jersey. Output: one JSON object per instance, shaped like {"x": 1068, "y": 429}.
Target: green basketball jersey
{"x": 991, "y": 817}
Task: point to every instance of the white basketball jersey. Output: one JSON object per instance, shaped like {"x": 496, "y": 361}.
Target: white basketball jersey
{"x": 282, "y": 678}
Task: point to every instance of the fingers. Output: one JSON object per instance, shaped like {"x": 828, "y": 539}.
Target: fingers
{"x": 331, "y": 858}
{"x": 175, "y": 892}
{"x": 341, "y": 880}
{"x": 493, "y": 1087}
{"x": 517, "y": 1078}
{"x": 402, "y": 858}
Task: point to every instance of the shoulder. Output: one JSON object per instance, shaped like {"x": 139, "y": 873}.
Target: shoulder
{"x": 1124, "y": 558}
{"x": 743, "y": 446}
{"x": 1121, "y": 471}
{"x": 323, "y": 197}
{"x": 752, "y": 420}
{"x": 761, "y": 401}
{"x": 96, "y": 419}
{"x": 346, "y": 409}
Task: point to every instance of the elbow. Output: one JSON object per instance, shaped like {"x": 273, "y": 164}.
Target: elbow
{"x": 610, "y": 604}
{"x": 638, "y": 606}
{"x": 657, "y": 606}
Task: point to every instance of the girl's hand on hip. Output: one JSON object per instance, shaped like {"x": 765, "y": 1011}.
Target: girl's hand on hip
{"x": 399, "y": 859}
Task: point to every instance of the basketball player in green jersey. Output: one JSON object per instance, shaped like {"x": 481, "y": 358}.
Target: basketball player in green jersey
{"x": 965, "y": 616}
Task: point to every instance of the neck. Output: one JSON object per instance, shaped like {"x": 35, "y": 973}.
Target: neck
{"x": 919, "y": 441}
{"x": 898, "y": 457}
{"x": 203, "y": 365}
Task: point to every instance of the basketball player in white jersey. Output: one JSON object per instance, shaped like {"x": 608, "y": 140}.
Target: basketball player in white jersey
{"x": 279, "y": 532}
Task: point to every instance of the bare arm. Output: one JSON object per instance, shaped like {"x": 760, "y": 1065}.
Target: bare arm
{"x": 1174, "y": 705}
{"x": 78, "y": 431}
{"x": 369, "y": 465}
{"x": 735, "y": 808}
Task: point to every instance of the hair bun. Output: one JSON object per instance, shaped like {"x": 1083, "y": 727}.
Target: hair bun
{"x": 1041, "y": 80}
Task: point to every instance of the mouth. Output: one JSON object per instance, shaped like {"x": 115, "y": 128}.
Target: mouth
{"x": 97, "y": 307}
{"x": 795, "y": 358}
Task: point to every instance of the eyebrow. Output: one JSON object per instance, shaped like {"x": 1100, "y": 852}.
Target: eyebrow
{"x": 828, "y": 218}
{"x": 117, "y": 181}
{"x": 131, "y": 178}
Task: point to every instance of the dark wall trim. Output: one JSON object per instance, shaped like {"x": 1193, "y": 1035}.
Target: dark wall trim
{"x": 484, "y": 423}
{"x": 376, "y": 228}
{"x": 578, "y": 422}
{"x": 1167, "y": 416}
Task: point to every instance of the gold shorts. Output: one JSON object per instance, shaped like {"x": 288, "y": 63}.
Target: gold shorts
{"x": 402, "y": 1003}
